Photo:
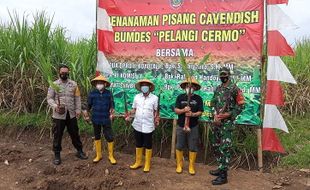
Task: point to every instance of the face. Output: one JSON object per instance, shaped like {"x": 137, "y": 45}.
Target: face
{"x": 100, "y": 85}
{"x": 224, "y": 77}
{"x": 64, "y": 73}
{"x": 145, "y": 87}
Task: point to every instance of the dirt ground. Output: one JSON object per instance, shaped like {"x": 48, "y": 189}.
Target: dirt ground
{"x": 26, "y": 163}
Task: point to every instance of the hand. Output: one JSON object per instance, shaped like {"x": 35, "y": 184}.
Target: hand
{"x": 57, "y": 109}
{"x": 111, "y": 116}
{"x": 77, "y": 114}
{"x": 217, "y": 120}
{"x": 157, "y": 121}
{"x": 224, "y": 115}
{"x": 189, "y": 114}
{"x": 127, "y": 116}
{"x": 85, "y": 115}
{"x": 186, "y": 109}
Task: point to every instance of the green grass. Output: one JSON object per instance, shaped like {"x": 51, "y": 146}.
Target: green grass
{"x": 297, "y": 142}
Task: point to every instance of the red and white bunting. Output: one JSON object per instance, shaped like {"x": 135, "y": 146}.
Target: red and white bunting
{"x": 273, "y": 2}
{"x": 271, "y": 142}
{"x": 278, "y": 20}
{"x": 104, "y": 36}
{"x": 274, "y": 93}
{"x": 277, "y": 45}
{"x": 273, "y": 118}
{"x": 277, "y": 70}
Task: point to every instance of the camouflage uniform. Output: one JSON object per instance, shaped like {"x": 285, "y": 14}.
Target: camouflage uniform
{"x": 225, "y": 99}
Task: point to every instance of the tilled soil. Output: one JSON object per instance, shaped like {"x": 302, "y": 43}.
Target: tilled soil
{"x": 26, "y": 163}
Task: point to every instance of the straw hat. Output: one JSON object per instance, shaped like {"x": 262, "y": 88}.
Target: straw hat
{"x": 195, "y": 84}
{"x": 138, "y": 84}
{"x": 100, "y": 78}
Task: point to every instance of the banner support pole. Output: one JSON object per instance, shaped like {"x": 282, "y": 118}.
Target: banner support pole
{"x": 173, "y": 139}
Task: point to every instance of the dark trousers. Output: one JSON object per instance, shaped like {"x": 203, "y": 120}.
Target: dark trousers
{"x": 73, "y": 130}
{"x": 143, "y": 139}
{"x": 107, "y": 131}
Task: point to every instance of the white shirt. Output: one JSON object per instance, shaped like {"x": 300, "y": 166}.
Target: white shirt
{"x": 144, "y": 117}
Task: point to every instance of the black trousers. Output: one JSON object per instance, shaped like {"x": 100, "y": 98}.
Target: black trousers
{"x": 73, "y": 130}
{"x": 143, "y": 139}
{"x": 107, "y": 131}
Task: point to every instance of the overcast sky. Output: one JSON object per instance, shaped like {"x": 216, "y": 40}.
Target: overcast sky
{"x": 78, "y": 16}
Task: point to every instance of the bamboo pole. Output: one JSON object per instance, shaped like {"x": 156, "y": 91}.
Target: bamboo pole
{"x": 173, "y": 139}
{"x": 259, "y": 149}
{"x": 263, "y": 91}
{"x": 206, "y": 139}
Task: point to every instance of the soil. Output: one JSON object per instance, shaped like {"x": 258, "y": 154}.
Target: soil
{"x": 26, "y": 163}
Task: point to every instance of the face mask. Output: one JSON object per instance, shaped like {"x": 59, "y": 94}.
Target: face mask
{"x": 145, "y": 89}
{"x": 64, "y": 76}
{"x": 100, "y": 86}
{"x": 224, "y": 79}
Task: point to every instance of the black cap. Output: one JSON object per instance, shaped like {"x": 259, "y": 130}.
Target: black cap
{"x": 224, "y": 71}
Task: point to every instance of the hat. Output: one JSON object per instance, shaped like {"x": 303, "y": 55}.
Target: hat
{"x": 224, "y": 71}
{"x": 194, "y": 83}
{"x": 138, "y": 84}
{"x": 100, "y": 78}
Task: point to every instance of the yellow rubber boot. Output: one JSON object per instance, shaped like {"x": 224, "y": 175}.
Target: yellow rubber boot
{"x": 179, "y": 160}
{"x": 148, "y": 156}
{"x": 98, "y": 151}
{"x": 138, "y": 162}
{"x": 192, "y": 160}
{"x": 111, "y": 153}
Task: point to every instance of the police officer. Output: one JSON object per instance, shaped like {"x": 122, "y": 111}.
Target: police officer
{"x": 227, "y": 103}
{"x": 66, "y": 105}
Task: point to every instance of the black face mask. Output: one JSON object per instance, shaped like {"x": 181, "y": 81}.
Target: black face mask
{"x": 224, "y": 79}
{"x": 64, "y": 76}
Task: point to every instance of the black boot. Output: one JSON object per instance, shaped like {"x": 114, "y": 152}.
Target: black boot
{"x": 215, "y": 172}
{"x": 81, "y": 155}
{"x": 221, "y": 179}
{"x": 57, "y": 159}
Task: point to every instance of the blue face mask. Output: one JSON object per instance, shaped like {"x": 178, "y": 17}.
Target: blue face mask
{"x": 145, "y": 89}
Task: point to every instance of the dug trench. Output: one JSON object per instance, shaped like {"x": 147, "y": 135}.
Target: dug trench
{"x": 26, "y": 163}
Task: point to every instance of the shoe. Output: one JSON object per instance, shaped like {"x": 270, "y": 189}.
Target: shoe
{"x": 148, "y": 156}
{"x": 221, "y": 179}
{"x": 57, "y": 160}
{"x": 192, "y": 160}
{"x": 98, "y": 151}
{"x": 215, "y": 172}
{"x": 111, "y": 153}
{"x": 81, "y": 155}
{"x": 179, "y": 160}
{"x": 138, "y": 162}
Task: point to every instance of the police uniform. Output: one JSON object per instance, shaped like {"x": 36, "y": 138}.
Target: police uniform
{"x": 69, "y": 97}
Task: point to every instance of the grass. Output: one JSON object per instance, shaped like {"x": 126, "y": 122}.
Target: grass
{"x": 297, "y": 142}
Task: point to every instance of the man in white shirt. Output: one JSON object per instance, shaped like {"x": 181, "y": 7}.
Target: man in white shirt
{"x": 144, "y": 106}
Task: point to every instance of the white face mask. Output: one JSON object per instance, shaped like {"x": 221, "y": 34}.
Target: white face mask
{"x": 145, "y": 89}
{"x": 100, "y": 86}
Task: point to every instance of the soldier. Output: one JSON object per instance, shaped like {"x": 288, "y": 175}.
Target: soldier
{"x": 227, "y": 103}
{"x": 101, "y": 103}
{"x": 193, "y": 110}
{"x": 66, "y": 105}
{"x": 144, "y": 106}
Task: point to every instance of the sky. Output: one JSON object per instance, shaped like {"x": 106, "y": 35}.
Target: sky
{"x": 78, "y": 16}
